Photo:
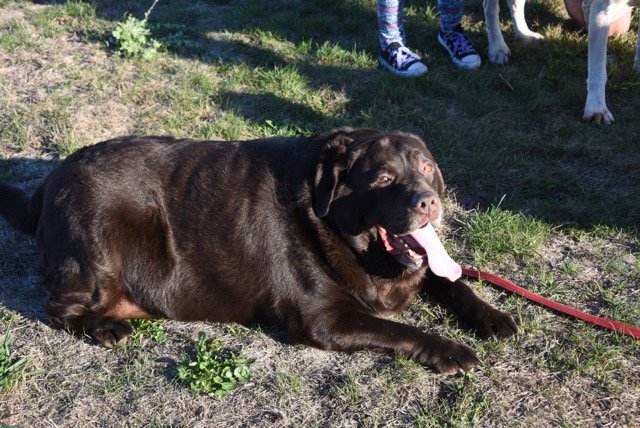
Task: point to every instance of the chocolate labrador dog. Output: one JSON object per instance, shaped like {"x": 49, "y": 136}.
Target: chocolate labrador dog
{"x": 321, "y": 236}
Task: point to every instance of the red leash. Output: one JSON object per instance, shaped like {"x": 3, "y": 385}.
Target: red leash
{"x": 627, "y": 329}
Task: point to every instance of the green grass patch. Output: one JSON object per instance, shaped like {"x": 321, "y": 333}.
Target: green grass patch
{"x": 57, "y": 137}
{"x": 15, "y": 129}
{"x": 461, "y": 404}
{"x": 18, "y": 34}
{"x": 134, "y": 371}
{"x": 287, "y": 383}
{"x": 332, "y": 53}
{"x": 496, "y": 233}
{"x": 349, "y": 389}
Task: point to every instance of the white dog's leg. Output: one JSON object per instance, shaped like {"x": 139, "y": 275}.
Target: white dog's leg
{"x": 520, "y": 24}
{"x": 595, "y": 109}
{"x": 499, "y": 52}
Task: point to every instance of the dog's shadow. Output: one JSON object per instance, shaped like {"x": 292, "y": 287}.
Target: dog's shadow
{"x": 21, "y": 287}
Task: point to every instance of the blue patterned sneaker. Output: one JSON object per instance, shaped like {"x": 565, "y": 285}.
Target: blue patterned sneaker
{"x": 462, "y": 52}
{"x": 401, "y": 61}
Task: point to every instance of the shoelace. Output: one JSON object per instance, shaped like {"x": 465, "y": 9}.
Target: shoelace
{"x": 461, "y": 43}
{"x": 403, "y": 56}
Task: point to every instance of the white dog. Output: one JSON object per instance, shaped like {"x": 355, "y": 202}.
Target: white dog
{"x": 600, "y": 14}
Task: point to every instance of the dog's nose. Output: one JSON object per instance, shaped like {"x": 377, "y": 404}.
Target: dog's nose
{"x": 422, "y": 202}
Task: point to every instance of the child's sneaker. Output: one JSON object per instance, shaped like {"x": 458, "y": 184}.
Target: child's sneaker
{"x": 462, "y": 52}
{"x": 401, "y": 61}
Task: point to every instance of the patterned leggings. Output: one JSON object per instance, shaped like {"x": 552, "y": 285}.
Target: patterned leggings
{"x": 390, "y": 14}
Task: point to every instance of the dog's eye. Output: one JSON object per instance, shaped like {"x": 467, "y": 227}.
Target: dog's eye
{"x": 383, "y": 180}
{"x": 427, "y": 168}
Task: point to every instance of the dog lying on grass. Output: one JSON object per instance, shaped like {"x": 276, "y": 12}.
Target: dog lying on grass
{"x": 321, "y": 236}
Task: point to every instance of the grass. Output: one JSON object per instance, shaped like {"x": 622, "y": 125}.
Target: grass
{"x": 152, "y": 330}
{"x": 496, "y": 234}
{"x": 535, "y": 195}
{"x": 12, "y": 367}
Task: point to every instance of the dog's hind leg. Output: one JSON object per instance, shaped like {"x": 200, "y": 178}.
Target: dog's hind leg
{"x": 91, "y": 304}
{"x": 105, "y": 330}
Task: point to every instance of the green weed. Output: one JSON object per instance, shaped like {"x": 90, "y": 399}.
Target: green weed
{"x": 147, "y": 329}
{"x": 12, "y": 368}
{"x": 271, "y": 128}
{"x": 214, "y": 371}
{"x": 132, "y": 38}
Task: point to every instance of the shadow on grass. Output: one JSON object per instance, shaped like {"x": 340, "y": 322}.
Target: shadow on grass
{"x": 282, "y": 112}
{"x": 20, "y": 285}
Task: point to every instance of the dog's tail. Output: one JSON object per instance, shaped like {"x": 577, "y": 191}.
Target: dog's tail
{"x": 19, "y": 209}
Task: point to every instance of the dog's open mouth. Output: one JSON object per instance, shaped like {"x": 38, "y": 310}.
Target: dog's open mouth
{"x": 420, "y": 247}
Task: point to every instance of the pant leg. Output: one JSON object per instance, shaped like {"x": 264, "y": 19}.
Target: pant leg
{"x": 450, "y": 13}
{"x": 390, "y": 25}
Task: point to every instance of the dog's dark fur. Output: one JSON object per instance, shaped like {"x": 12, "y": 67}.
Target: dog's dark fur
{"x": 271, "y": 231}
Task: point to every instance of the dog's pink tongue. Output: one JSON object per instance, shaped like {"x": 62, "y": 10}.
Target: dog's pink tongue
{"x": 439, "y": 261}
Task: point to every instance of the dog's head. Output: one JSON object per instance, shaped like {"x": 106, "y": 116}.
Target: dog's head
{"x": 384, "y": 186}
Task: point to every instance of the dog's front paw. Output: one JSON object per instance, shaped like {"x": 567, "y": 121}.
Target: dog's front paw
{"x": 491, "y": 322}
{"x": 111, "y": 332}
{"x": 595, "y": 107}
{"x": 448, "y": 356}
{"x": 598, "y": 118}
{"x": 499, "y": 54}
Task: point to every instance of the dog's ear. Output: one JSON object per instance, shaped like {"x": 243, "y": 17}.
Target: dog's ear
{"x": 438, "y": 181}
{"x": 333, "y": 161}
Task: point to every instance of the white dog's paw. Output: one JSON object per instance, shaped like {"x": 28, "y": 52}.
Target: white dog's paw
{"x": 528, "y": 35}
{"x": 595, "y": 106}
{"x": 499, "y": 54}
{"x": 598, "y": 118}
